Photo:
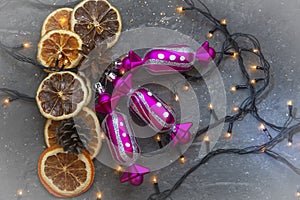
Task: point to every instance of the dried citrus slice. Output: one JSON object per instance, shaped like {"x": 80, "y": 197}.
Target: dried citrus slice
{"x": 61, "y": 95}
{"x": 64, "y": 174}
{"x": 96, "y": 21}
{"x": 87, "y": 126}
{"x": 59, "y": 19}
{"x": 60, "y": 48}
{"x": 88, "y": 86}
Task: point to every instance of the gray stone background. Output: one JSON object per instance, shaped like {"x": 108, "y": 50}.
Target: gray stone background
{"x": 274, "y": 22}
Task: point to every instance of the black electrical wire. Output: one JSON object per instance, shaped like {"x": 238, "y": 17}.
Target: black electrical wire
{"x": 248, "y": 106}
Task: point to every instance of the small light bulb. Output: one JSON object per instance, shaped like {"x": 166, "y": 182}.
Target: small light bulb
{"x": 176, "y": 97}
{"x": 298, "y": 194}
{"x": 206, "y": 138}
{"x": 122, "y": 71}
{"x": 99, "y": 195}
{"x": 235, "y": 54}
{"x": 180, "y": 10}
{"x": 255, "y": 50}
{"x": 290, "y": 103}
{"x": 236, "y": 109}
{"x": 263, "y": 150}
{"x": 289, "y": 144}
{"x": 102, "y": 136}
{"x": 254, "y": 67}
{"x": 210, "y": 35}
{"x": 20, "y": 192}
{"x": 210, "y": 106}
{"x": 6, "y": 101}
{"x": 253, "y": 82}
{"x": 262, "y": 127}
{"x": 182, "y": 159}
{"x": 233, "y": 89}
{"x": 223, "y": 22}
{"x": 186, "y": 88}
{"x": 119, "y": 169}
{"x": 154, "y": 180}
{"x": 26, "y": 45}
{"x": 157, "y": 138}
{"x": 228, "y": 135}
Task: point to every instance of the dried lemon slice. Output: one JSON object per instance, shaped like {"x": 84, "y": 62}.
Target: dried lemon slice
{"x": 60, "y": 48}
{"x": 61, "y": 95}
{"x": 64, "y": 174}
{"x": 87, "y": 126}
{"x": 59, "y": 19}
{"x": 96, "y": 21}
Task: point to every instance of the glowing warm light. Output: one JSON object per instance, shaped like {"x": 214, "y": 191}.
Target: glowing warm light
{"x": 176, "y": 97}
{"x": 210, "y": 35}
{"x": 233, "y": 89}
{"x": 236, "y": 109}
{"x": 290, "y": 103}
{"x": 99, "y": 195}
{"x": 253, "y": 82}
{"x": 206, "y": 138}
{"x": 186, "y": 88}
{"x": 119, "y": 169}
{"x": 223, "y": 22}
{"x": 228, "y": 135}
{"x": 262, "y": 127}
{"x": 235, "y": 55}
{"x": 6, "y": 101}
{"x": 154, "y": 179}
{"x": 289, "y": 144}
{"x": 180, "y": 10}
{"x": 122, "y": 71}
{"x": 298, "y": 194}
{"x": 20, "y": 192}
{"x": 26, "y": 45}
{"x": 254, "y": 67}
{"x": 157, "y": 138}
{"x": 182, "y": 159}
{"x": 102, "y": 136}
{"x": 255, "y": 50}
{"x": 210, "y": 106}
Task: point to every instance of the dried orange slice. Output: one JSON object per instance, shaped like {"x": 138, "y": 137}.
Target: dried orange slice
{"x": 59, "y": 19}
{"x": 61, "y": 95}
{"x": 96, "y": 21}
{"x": 60, "y": 48}
{"x": 88, "y": 86}
{"x": 87, "y": 126}
{"x": 64, "y": 174}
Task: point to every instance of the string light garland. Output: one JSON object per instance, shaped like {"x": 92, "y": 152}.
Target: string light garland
{"x": 230, "y": 48}
{"x": 248, "y": 106}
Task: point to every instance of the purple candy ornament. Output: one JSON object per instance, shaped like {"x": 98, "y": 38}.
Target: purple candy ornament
{"x": 169, "y": 59}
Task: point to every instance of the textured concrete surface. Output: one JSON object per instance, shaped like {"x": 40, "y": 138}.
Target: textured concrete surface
{"x": 276, "y": 25}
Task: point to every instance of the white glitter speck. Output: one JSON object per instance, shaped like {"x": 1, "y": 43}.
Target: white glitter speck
{"x": 159, "y": 104}
{"x": 124, "y": 134}
{"x": 161, "y": 56}
{"x": 182, "y": 58}
{"x": 150, "y": 94}
{"x": 121, "y": 124}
